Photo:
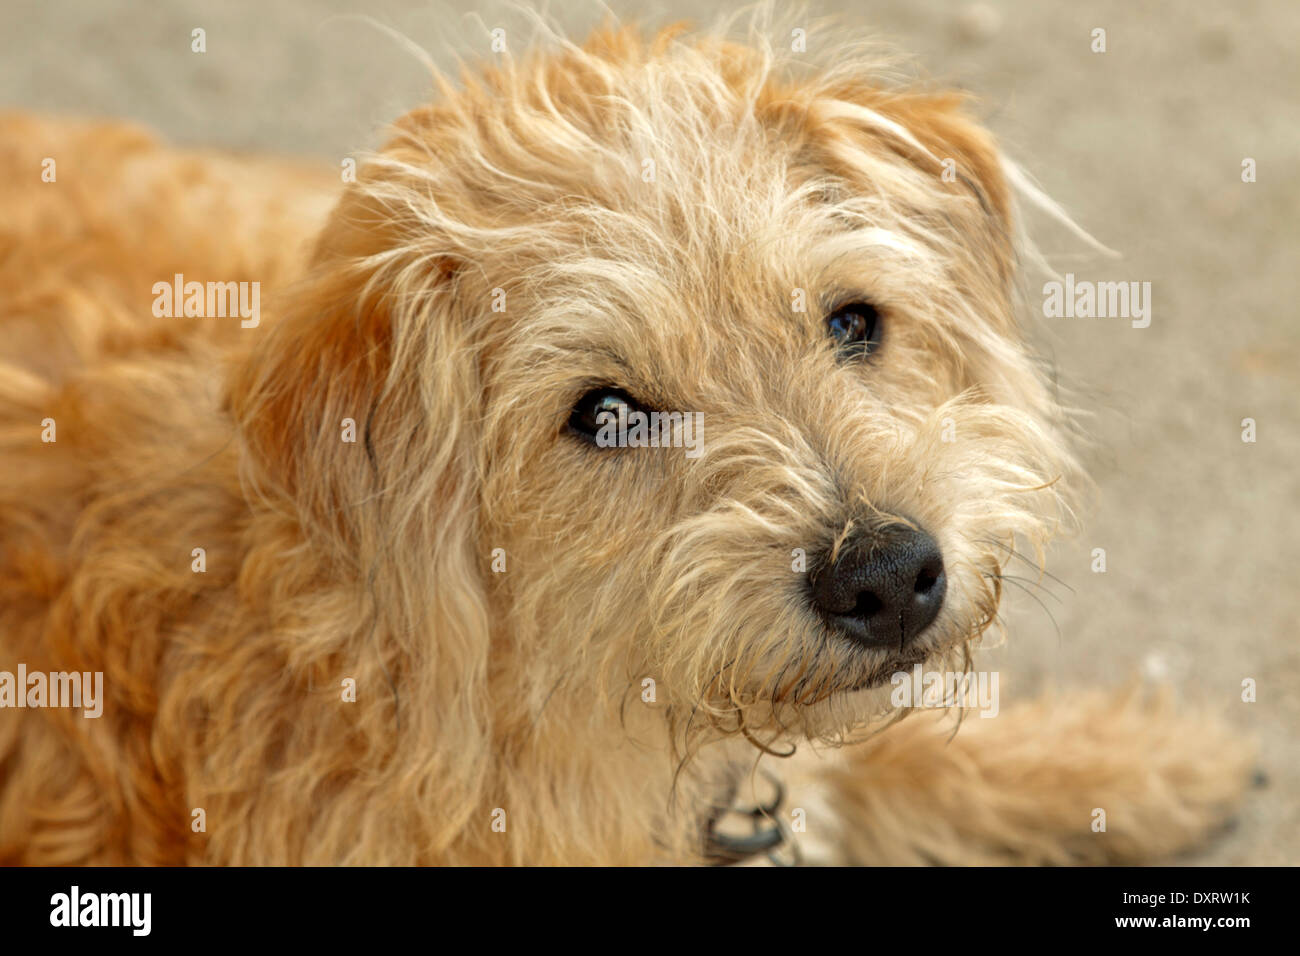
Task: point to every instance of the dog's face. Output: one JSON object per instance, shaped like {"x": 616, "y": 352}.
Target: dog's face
{"x": 816, "y": 274}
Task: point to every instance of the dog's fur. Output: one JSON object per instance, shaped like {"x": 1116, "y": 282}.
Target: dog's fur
{"x": 524, "y": 690}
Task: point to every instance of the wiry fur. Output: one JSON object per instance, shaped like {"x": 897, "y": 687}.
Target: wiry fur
{"x": 328, "y": 560}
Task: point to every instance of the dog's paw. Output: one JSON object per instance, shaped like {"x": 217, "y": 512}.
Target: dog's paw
{"x": 1083, "y": 779}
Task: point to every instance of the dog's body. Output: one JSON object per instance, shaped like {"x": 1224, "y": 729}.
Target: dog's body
{"x": 560, "y": 652}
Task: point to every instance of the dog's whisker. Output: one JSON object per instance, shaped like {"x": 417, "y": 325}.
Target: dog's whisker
{"x": 1046, "y": 610}
{"x": 1030, "y": 584}
{"x": 1014, "y": 553}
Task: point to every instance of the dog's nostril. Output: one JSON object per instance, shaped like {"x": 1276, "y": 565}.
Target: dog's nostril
{"x": 925, "y": 581}
{"x": 868, "y": 605}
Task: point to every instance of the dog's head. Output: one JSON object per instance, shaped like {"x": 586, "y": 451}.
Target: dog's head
{"x": 807, "y": 275}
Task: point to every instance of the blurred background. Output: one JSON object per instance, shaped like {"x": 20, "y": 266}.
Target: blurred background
{"x": 1143, "y": 144}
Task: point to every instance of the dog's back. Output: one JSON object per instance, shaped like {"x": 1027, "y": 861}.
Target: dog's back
{"x": 113, "y": 442}
{"x": 97, "y": 213}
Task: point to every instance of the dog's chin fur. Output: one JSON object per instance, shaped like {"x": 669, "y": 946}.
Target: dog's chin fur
{"x": 674, "y": 216}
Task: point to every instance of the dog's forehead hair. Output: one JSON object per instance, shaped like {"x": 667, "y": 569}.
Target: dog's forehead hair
{"x": 746, "y": 257}
{"x": 688, "y": 139}
{"x": 693, "y": 207}
{"x": 667, "y": 306}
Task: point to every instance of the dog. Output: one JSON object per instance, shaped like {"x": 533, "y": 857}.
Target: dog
{"x": 396, "y": 572}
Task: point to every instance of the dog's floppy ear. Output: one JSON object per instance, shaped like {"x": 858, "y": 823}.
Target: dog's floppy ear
{"x": 965, "y": 150}
{"x": 851, "y": 125}
{"x": 356, "y": 420}
{"x": 306, "y": 399}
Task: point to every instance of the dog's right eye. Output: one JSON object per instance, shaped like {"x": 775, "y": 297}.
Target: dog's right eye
{"x": 585, "y": 419}
{"x": 854, "y": 328}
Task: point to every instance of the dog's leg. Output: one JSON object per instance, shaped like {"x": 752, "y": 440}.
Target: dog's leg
{"x": 1086, "y": 779}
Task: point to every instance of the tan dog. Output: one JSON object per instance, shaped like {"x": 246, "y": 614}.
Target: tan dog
{"x": 362, "y": 577}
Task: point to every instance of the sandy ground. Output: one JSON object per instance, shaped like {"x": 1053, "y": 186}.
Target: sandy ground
{"x": 1143, "y": 144}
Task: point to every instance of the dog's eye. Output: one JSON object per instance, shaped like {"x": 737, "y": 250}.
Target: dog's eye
{"x": 585, "y": 418}
{"x": 855, "y": 328}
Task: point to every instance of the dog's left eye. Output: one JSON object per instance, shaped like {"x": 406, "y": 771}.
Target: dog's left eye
{"x": 855, "y": 328}
{"x": 585, "y": 419}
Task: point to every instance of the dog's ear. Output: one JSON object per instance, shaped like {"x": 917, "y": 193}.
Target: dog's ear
{"x": 356, "y": 417}
{"x": 966, "y": 151}
{"x": 856, "y": 130}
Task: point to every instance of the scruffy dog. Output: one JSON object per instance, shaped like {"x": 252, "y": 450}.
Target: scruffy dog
{"x": 366, "y": 582}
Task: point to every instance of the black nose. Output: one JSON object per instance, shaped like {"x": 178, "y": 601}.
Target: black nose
{"x": 884, "y": 588}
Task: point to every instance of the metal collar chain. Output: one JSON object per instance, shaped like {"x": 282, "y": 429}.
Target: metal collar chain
{"x": 771, "y": 836}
